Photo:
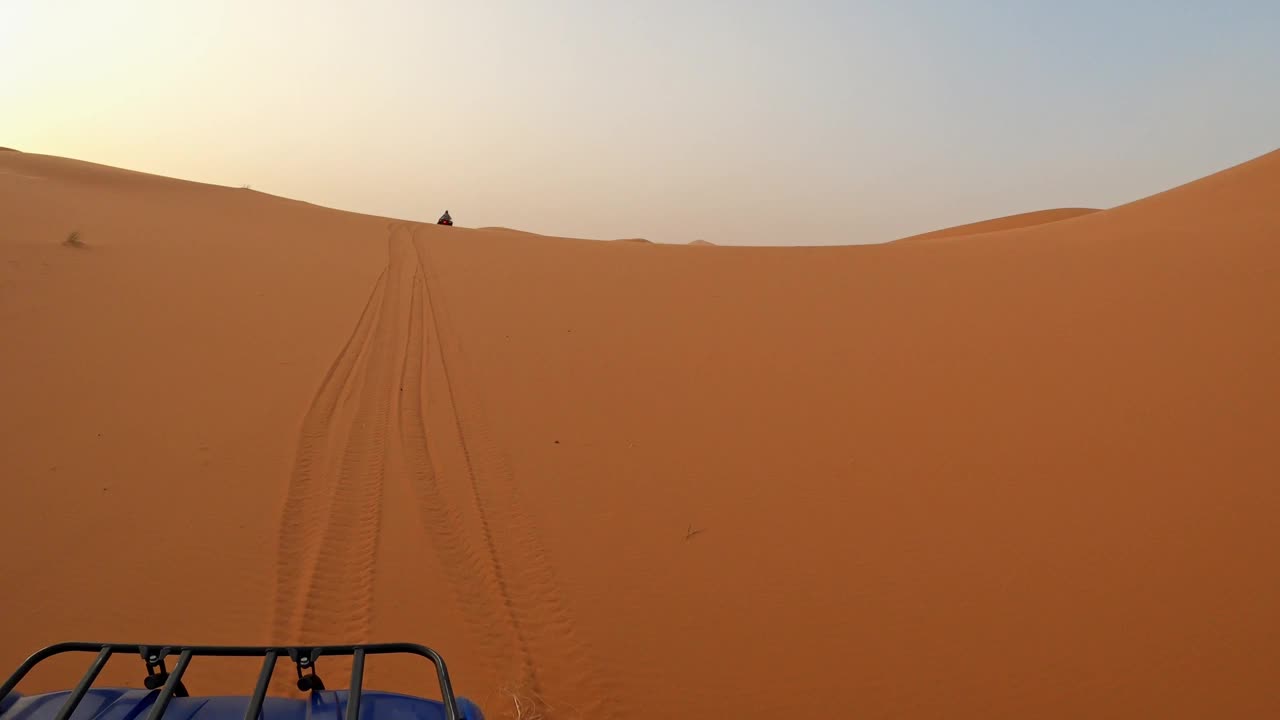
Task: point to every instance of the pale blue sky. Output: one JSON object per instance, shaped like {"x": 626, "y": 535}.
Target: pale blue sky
{"x": 741, "y": 123}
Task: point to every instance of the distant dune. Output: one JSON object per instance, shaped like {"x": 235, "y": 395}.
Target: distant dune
{"x": 1009, "y": 222}
{"x": 511, "y": 231}
{"x": 1028, "y": 473}
{"x": 701, "y": 242}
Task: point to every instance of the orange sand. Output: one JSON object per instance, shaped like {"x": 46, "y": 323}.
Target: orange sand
{"x": 1030, "y": 473}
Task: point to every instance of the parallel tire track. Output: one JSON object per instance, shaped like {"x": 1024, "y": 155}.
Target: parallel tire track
{"x": 392, "y": 399}
{"x": 439, "y": 517}
{"x": 539, "y": 624}
{"x": 330, "y": 528}
{"x": 309, "y": 496}
{"x": 340, "y": 597}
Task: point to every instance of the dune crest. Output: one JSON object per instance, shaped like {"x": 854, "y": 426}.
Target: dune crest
{"x": 1008, "y": 222}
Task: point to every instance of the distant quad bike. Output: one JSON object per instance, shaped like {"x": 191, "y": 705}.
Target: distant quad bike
{"x": 167, "y": 698}
{"x": 445, "y": 219}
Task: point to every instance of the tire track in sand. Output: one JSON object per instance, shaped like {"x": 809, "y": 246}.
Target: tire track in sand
{"x": 438, "y": 516}
{"x": 393, "y": 394}
{"x": 329, "y": 531}
{"x": 544, "y": 666}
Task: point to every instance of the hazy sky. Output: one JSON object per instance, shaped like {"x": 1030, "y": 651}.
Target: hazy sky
{"x": 739, "y": 122}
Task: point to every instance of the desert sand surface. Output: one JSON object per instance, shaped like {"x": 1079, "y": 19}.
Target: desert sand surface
{"x": 1008, "y": 222}
{"x": 1028, "y": 473}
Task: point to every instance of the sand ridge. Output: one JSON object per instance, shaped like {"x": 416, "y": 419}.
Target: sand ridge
{"x": 1008, "y": 222}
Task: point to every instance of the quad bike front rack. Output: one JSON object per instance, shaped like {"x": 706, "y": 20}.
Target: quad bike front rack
{"x": 170, "y": 684}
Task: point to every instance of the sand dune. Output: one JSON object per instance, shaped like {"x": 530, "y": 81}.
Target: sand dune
{"x": 1008, "y": 222}
{"x": 1026, "y": 473}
